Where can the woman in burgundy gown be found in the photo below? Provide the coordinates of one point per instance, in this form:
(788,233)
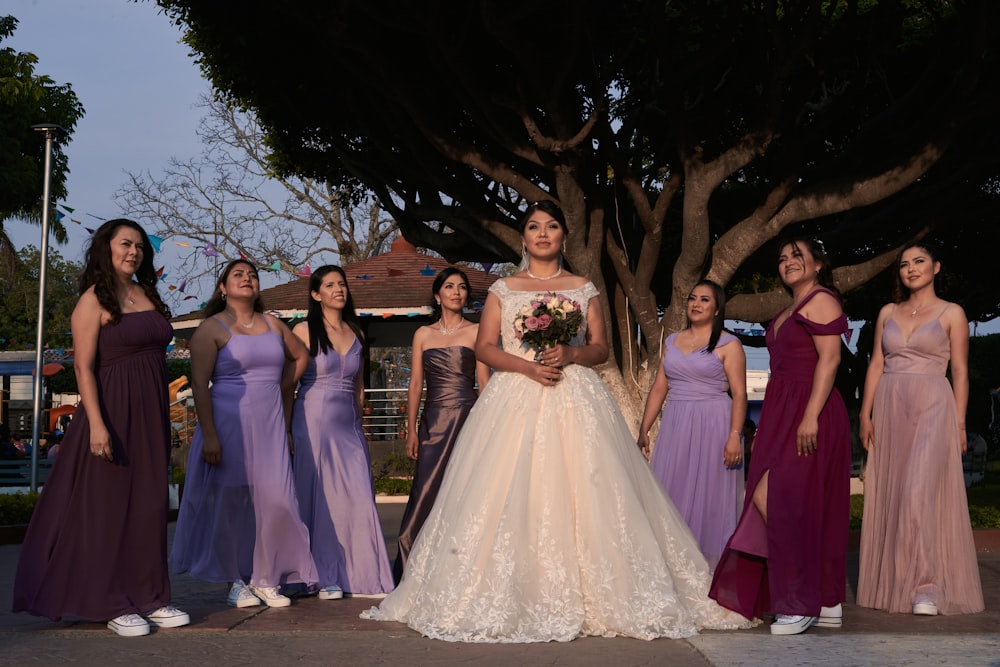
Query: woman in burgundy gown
(788,555)
(444,356)
(96,548)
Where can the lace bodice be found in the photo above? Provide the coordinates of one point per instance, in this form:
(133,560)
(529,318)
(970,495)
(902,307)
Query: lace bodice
(511,301)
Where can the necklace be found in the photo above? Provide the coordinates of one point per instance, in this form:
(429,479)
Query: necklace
(694,344)
(528,271)
(450,330)
(246,326)
(916,309)
(128,294)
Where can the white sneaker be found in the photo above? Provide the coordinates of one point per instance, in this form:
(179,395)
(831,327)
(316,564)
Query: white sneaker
(330,593)
(240,596)
(925,609)
(791,625)
(129,625)
(168,617)
(830,617)
(270,596)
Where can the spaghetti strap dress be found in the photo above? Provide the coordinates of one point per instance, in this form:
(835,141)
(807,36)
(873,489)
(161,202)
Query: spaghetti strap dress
(916,538)
(96,547)
(239,520)
(333,477)
(796,562)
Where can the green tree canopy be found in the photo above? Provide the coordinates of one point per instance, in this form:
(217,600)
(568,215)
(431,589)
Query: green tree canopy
(680,139)
(27,99)
(19,305)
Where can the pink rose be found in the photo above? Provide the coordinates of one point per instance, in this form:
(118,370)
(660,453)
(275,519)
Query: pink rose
(531,324)
(544,321)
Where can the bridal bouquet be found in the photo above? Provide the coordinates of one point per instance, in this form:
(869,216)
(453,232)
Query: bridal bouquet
(548,319)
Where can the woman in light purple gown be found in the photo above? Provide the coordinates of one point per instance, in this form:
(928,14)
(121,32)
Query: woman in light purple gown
(333,474)
(698,453)
(239,520)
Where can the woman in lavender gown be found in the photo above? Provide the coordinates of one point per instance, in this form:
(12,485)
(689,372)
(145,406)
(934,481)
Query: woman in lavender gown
(239,520)
(698,450)
(333,473)
(444,354)
(96,547)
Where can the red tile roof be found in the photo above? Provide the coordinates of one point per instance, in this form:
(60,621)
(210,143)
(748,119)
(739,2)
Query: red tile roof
(399,279)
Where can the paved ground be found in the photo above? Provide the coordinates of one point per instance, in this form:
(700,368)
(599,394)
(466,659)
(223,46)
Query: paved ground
(315,632)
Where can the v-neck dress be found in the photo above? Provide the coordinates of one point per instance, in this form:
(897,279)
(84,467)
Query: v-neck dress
(687,456)
(796,562)
(333,477)
(916,538)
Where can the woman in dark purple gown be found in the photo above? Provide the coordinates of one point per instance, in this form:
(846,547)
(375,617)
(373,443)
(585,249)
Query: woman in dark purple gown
(444,356)
(96,548)
(788,555)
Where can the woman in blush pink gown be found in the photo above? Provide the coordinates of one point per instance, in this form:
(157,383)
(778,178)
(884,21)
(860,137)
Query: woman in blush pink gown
(917,551)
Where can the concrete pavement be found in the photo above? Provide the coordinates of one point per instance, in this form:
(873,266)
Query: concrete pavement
(316,632)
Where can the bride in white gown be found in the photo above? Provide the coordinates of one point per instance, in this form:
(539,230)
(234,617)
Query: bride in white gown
(549,524)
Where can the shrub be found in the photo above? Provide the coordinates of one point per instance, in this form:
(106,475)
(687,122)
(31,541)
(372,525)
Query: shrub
(984,517)
(392,486)
(16,508)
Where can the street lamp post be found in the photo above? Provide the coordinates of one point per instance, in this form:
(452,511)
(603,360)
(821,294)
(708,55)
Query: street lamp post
(36,421)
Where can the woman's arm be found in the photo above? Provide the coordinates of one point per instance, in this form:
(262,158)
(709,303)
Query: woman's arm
(86,326)
(824,307)
(734,362)
(958,338)
(413,391)
(876,367)
(654,403)
(296,362)
(205,344)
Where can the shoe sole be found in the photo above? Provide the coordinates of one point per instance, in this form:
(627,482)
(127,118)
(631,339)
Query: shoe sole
(925,610)
(173,622)
(245,603)
(286,602)
(829,622)
(323,595)
(792,628)
(128,630)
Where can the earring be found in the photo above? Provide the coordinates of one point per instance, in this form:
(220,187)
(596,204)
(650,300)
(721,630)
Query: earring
(438,302)
(223,296)
(524,254)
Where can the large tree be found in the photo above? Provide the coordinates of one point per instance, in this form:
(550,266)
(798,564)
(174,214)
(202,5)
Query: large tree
(19,305)
(680,138)
(26,99)
(229,197)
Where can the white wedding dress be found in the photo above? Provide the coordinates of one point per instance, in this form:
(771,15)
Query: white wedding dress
(549,524)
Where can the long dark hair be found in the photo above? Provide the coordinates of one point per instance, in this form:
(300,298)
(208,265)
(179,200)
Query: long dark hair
(818,252)
(546,206)
(720,316)
(442,276)
(901,292)
(99,273)
(319,340)
(217,303)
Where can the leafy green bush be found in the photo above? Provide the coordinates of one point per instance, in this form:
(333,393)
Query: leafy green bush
(857,509)
(393,486)
(16,508)
(394,464)
(984,517)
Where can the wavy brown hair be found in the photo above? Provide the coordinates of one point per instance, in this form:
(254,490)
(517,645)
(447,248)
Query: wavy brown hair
(100,274)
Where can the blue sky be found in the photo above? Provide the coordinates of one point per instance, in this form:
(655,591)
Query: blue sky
(140,90)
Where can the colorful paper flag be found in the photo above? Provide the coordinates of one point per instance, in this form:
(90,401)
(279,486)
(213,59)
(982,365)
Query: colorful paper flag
(155,241)
(210,251)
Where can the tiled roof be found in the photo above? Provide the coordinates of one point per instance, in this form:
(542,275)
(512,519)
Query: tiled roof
(399,279)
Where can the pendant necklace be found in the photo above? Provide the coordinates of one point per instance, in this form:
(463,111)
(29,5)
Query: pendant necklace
(528,271)
(450,330)
(128,294)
